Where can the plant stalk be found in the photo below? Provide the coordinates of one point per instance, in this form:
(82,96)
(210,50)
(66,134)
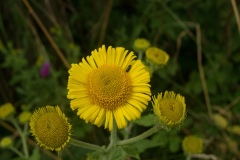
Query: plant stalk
(85,145)
(140,137)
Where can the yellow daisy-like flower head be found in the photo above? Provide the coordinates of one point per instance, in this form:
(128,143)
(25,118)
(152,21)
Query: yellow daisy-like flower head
(50,128)
(6,142)
(6,110)
(24,117)
(192,144)
(141,44)
(169,109)
(110,86)
(157,56)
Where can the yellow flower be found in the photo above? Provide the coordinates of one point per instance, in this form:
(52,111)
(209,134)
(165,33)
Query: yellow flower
(220,121)
(141,44)
(235,129)
(6,110)
(6,142)
(50,128)
(232,145)
(170,109)
(109,86)
(192,144)
(24,117)
(157,56)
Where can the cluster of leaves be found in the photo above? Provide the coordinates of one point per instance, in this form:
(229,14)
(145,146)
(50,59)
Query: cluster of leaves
(170,25)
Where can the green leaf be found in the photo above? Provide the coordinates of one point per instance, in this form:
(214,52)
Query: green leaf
(131,151)
(174,144)
(145,144)
(94,155)
(146,121)
(36,154)
(161,138)
(116,154)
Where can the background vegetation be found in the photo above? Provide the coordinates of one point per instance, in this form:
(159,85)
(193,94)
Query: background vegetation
(201,37)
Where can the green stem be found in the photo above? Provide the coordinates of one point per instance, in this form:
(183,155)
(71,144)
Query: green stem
(113,137)
(17,152)
(140,55)
(113,141)
(188,157)
(85,145)
(22,135)
(142,136)
(152,66)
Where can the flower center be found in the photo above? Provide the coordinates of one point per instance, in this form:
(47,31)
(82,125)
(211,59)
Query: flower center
(52,130)
(109,87)
(171,109)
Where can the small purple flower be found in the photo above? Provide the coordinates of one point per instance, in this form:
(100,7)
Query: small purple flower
(45,69)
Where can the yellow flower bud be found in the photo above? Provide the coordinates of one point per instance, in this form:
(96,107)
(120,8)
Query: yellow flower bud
(192,144)
(24,117)
(157,56)
(6,110)
(169,109)
(6,142)
(232,145)
(141,44)
(220,121)
(235,129)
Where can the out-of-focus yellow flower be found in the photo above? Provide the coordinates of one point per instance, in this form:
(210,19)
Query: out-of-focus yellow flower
(157,56)
(235,129)
(50,128)
(192,144)
(6,110)
(39,60)
(220,121)
(232,145)
(24,117)
(6,142)
(141,44)
(169,109)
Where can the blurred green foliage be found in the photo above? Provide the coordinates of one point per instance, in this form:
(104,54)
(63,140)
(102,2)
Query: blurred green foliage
(78,27)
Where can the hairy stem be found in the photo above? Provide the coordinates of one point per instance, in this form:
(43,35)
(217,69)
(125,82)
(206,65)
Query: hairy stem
(85,145)
(142,136)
